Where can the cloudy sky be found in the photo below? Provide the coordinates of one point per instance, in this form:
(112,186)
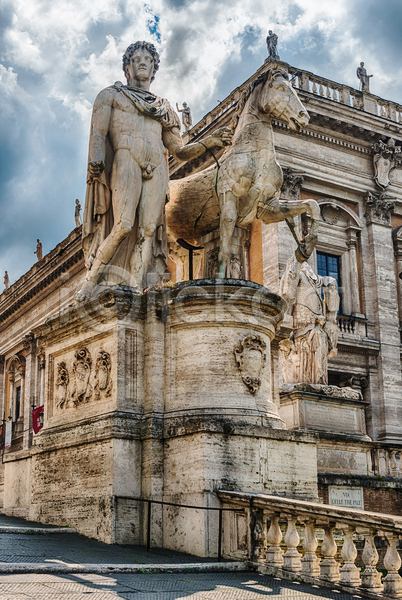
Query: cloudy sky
(55,56)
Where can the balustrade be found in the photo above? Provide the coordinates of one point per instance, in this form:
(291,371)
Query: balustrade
(332,562)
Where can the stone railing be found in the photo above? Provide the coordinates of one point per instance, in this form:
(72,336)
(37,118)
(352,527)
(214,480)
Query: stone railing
(343,94)
(334,565)
(319,86)
(352,325)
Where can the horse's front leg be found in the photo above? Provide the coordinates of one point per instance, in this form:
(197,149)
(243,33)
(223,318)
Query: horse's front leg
(227,224)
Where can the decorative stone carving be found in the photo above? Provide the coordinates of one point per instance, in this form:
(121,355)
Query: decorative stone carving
(386,156)
(315,334)
(330,213)
(82,391)
(29,343)
(6,281)
(62,381)
(251,358)
(292,182)
(40,353)
(345,393)
(103,382)
(124,242)
(378,209)
(236,270)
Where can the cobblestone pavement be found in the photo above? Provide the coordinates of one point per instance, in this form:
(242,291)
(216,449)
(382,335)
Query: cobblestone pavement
(184,586)
(62,550)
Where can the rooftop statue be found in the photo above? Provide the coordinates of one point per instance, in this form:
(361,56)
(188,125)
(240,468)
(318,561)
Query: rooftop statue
(315,302)
(247,183)
(6,281)
(186,116)
(272,42)
(123,234)
(364,78)
(77,212)
(39,250)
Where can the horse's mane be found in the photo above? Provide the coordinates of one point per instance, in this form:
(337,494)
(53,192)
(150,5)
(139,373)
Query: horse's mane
(262,78)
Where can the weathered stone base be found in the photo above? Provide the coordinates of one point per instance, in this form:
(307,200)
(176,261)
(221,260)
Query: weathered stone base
(164,396)
(323,408)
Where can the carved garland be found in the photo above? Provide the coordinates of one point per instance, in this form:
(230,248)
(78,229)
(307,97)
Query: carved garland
(251,357)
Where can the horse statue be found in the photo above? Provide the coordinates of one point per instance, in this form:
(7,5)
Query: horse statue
(244,185)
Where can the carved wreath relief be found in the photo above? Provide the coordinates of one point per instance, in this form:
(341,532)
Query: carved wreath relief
(251,357)
(83,380)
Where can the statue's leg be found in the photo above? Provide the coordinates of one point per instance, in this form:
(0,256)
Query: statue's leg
(228,221)
(150,213)
(126,184)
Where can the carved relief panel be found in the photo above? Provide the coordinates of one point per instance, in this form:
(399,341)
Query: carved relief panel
(80,377)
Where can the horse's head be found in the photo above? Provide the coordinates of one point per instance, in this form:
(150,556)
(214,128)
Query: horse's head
(279,99)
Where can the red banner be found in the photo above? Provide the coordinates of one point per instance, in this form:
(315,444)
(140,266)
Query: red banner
(37,419)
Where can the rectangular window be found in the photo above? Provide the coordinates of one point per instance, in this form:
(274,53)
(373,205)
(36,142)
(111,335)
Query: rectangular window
(328,265)
(17,402)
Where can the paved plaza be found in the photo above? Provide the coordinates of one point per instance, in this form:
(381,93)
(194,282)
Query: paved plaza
(190,586)
(61,566)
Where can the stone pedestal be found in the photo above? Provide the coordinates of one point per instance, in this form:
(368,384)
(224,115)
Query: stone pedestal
(239,262)
(164,396)
(323,408)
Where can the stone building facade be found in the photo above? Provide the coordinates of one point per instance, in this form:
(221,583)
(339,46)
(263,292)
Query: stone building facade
(79,469)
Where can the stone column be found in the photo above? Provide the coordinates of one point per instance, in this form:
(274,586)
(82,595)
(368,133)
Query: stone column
(387,410)
(353,273)
(29,344)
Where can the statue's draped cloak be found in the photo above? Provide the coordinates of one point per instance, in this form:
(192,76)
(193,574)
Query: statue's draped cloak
(98,211)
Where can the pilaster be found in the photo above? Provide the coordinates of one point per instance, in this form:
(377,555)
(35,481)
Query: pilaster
(386,406)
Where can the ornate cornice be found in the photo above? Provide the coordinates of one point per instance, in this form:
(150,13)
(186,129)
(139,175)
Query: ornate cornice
(378,209)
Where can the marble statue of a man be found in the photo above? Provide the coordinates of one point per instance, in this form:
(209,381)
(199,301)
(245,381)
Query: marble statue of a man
(132,133)
(186,116)
(272,42)
(364,78)
(315,303)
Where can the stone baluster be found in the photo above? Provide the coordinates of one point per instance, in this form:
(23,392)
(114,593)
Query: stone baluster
(371,578)
(349,573)
(274,554)
(310,561)
(328,92)
(329,568)
(291,558)
(314,89)
(392,562)
(259,535)
(321,90)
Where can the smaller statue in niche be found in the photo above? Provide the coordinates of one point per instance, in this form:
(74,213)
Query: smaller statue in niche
(364,78)
(186,116)
(272,42)
(77,212)
(39,250)
(315,303)
(6,281)
(62,382)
